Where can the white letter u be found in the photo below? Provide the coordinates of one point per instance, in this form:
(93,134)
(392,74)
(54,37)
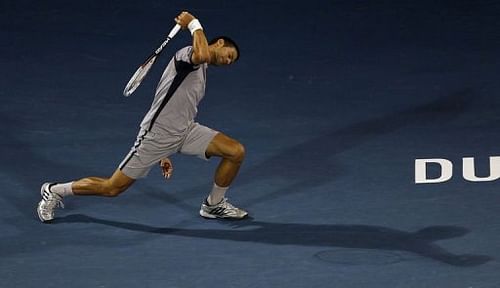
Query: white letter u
(469,171)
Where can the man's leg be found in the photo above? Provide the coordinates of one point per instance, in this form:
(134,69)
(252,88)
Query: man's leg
(52,194)
(109,187)
(232,153)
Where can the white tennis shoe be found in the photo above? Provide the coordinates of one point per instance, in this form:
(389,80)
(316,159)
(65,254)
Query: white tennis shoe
(50,201)
(223,209)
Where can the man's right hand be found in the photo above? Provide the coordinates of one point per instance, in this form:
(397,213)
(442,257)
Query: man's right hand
(183,19)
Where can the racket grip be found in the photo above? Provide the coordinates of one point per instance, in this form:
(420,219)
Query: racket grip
(174,31)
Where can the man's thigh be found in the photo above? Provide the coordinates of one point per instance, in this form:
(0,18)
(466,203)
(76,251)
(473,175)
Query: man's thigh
(198,140)
(148,150)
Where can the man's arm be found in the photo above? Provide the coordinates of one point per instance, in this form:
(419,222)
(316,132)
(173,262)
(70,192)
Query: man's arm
(200,44)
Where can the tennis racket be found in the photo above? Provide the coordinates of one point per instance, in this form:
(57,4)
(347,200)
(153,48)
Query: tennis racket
(143,70)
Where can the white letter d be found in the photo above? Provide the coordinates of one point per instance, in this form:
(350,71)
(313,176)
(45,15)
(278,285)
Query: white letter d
(421,170)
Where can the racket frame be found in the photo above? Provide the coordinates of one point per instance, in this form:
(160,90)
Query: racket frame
(143,70)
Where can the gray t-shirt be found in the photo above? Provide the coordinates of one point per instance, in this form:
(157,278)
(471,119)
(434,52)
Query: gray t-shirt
(180,90)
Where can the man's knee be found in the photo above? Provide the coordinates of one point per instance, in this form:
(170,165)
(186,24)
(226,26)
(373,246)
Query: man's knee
(227,148)
(116,185)
(237,152)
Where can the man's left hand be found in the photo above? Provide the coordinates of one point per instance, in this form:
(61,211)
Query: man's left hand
(166,168)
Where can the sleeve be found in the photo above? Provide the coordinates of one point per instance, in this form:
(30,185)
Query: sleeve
(183,59)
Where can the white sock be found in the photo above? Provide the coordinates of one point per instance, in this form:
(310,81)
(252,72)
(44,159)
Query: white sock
(216,195)
(63,189)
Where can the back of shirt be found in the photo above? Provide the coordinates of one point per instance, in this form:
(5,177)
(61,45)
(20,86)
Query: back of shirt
(180,90)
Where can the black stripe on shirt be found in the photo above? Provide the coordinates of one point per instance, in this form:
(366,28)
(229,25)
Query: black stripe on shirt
(183,69)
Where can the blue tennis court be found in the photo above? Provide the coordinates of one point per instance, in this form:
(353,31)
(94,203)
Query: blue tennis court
(334,102)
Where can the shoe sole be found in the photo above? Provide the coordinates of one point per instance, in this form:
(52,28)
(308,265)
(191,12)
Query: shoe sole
(42,189)
(38,212)
(210,216)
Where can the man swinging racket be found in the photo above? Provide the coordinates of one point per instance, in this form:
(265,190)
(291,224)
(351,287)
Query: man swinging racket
(168,128)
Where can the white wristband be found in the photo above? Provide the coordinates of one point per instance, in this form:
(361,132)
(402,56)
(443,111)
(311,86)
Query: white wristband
(194,25)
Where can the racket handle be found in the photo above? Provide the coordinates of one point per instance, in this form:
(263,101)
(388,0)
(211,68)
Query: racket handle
(171,35)
(174,31)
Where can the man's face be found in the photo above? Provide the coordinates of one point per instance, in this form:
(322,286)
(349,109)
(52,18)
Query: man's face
(225,55)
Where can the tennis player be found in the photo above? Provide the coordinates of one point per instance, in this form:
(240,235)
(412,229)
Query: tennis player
(168,128)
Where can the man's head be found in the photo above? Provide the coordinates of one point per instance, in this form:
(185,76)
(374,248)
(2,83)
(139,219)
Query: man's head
(223,50)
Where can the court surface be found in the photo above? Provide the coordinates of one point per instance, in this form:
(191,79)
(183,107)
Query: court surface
(333,100)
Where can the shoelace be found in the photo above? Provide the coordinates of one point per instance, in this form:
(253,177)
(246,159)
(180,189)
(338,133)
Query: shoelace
(53,201)
(227,205)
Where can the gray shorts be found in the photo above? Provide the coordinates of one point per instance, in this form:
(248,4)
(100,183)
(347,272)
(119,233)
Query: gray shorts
(151,147)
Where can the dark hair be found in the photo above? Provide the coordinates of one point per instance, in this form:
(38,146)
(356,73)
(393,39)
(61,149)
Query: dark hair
(228,42)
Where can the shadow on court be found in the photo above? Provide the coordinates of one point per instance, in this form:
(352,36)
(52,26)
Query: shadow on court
(344,236)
